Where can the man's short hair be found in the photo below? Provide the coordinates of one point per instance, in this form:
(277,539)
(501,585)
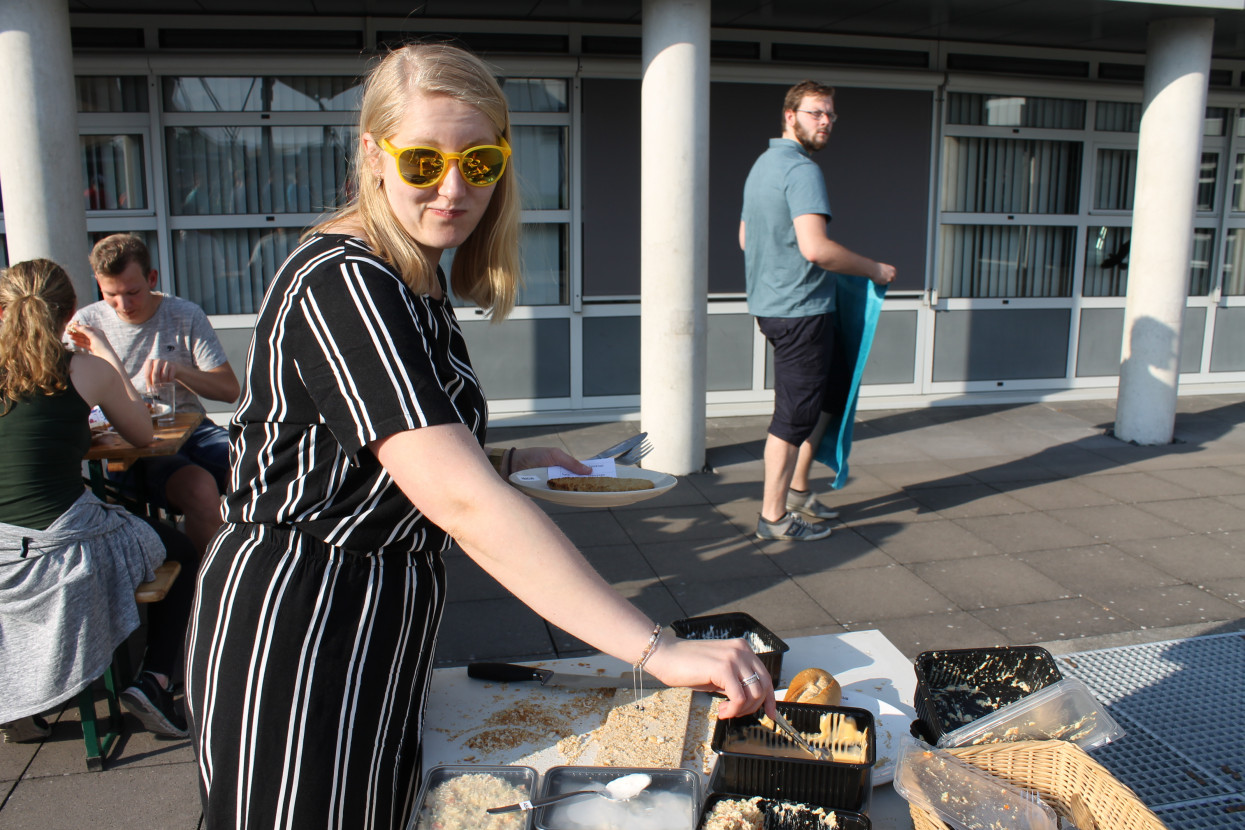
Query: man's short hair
(113,254)
(796,94)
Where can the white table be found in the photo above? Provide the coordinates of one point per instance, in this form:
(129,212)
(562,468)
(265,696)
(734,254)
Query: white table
(873,673)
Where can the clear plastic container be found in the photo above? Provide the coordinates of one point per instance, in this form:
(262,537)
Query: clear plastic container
(1065,710)
(473,788)
(962,795)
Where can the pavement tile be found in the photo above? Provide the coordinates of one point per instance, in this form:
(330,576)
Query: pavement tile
(1059,619)
(967,500)
(1022,532)
(1197,560)
(1116,522)
(465,580)
(777,603)
(1204,515)
(685,524)
(1073,460)
(1021,469)
(165,796)
(618,562)
(888,508)
(846,548)
(14,759)
(1053,495)
(716,559)
(989,582)
(873,594)
(911,474)
(592,527)
(1230,590)
(649,595)
(1093,570)
(491,629)
(1172,605)
(1204,481)
(1133,488)
(956,629)
(926,541)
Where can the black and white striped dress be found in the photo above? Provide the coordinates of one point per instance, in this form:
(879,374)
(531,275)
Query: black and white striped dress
(310,649)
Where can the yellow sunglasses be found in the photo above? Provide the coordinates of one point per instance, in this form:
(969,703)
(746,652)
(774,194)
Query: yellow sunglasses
(426,166)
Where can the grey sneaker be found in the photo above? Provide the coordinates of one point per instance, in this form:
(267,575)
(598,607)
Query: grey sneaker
(25,730)
(807,504)
(790,529)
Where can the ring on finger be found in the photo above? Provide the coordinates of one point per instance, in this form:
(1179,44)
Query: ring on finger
(748,681)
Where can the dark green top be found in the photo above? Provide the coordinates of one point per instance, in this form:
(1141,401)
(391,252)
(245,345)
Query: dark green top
(42,441)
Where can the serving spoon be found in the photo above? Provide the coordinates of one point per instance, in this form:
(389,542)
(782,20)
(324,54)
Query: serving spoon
(623,788)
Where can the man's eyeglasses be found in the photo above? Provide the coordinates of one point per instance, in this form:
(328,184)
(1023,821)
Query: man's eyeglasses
(820,114)
(426,166)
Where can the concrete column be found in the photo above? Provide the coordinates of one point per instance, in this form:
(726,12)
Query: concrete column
(1169,153)
(40,157)
(674,232)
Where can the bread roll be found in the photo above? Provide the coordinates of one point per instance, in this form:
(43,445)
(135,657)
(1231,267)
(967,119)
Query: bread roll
(814,686)
(599,484)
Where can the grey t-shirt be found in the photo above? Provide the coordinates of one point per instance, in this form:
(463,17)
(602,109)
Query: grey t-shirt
(178,332)
(784,183)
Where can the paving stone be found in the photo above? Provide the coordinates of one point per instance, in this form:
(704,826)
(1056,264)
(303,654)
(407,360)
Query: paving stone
(989,582)
(618,562)
(1053,495)
(845,549)
(1116,522)
(491,629)
(1098,568)
(919,474)
(926,541)
(888,508)
(1230,590)
(592,527)
(873,594)
(649,595)
(777,603)
(1204,515)
(967,500)
(1173,605)
(956,629)
(1205,481)
(713,559)
(1025,532)
(1197,559)
(465,580)
(1131,487)
(1060,619)
(671,523)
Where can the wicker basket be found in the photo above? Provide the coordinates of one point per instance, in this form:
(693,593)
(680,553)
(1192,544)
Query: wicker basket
(1068,780)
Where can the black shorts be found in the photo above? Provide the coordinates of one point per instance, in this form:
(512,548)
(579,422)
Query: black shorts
(803,352)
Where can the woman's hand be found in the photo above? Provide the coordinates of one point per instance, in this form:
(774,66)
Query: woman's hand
(90,340)
(718,666)
(526,458)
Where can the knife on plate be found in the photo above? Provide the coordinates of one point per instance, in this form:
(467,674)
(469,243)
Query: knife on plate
(621,447)
(515,673)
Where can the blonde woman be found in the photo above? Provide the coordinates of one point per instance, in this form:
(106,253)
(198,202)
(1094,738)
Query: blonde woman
(69,563)
(358,459)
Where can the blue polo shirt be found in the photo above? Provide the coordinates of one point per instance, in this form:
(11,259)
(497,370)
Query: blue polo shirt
(784,183)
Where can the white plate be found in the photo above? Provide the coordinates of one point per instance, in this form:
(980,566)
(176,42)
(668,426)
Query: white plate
(158,409)
(535,483)
(890,724)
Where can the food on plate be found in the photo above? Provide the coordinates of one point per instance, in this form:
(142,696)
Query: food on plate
(599,484)
(461,803)
(814,686)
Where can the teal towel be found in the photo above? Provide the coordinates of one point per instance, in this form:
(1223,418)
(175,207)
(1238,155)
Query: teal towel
(858,304)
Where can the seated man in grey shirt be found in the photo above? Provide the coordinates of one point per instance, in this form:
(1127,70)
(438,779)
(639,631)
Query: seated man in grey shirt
(161,338)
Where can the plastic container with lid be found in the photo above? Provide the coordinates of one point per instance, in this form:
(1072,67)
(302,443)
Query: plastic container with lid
(955,687)
(963,796)
(1065,710)
(669,802)
(469,790)
(736,624)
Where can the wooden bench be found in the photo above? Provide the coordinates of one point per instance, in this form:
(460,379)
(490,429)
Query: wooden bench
(118,671)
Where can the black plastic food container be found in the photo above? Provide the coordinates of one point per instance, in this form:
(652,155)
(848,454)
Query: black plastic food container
(735,624)
(780,814)
(833,784)
(957,686)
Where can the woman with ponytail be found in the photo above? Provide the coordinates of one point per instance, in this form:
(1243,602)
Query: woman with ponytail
(68,562)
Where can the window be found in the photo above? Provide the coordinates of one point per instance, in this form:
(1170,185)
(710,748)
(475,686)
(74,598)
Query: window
(113,172)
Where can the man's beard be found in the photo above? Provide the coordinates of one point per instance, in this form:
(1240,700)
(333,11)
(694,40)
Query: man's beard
(810,142)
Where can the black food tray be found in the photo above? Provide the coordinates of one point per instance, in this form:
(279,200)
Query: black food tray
(737,624)
(955,687)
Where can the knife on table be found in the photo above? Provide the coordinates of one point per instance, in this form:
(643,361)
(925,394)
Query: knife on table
(515,673)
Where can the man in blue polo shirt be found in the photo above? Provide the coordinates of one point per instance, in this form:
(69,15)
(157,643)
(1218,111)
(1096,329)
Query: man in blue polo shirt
(788,260)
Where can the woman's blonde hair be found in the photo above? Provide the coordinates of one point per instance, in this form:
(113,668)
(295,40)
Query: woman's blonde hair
(486,265)
(36,301)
